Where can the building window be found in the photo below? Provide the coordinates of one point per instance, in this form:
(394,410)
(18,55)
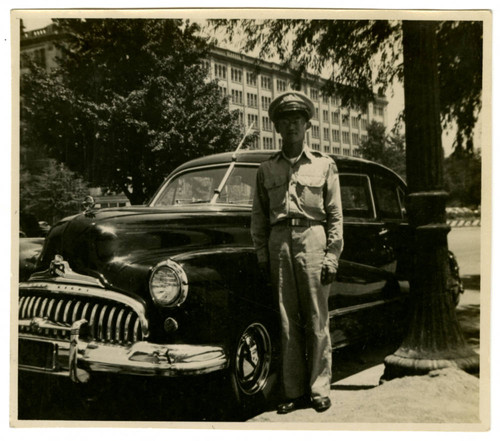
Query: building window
(336,101)
(315,146)
(281,85)
(251,79)
(325,115)
(336,150)
(345,120)
(315,131)
(324,99)
(335,118)
(345,137)
(241,117)
(265,100)
(314,94)
(265,82)
(206,65)
(251,118)
(255,145)
(222,91)
(237,96)
(280,143)
(364,123)
(326,133)
(335,135)
(268,143)
(364,138)
(38,57)
(266,124)
(326,148)
(346,152)
(378,110)
(316,112)
(356,152)
(355,139)
(354,122)
(251,99)
(220,71)
(236,75)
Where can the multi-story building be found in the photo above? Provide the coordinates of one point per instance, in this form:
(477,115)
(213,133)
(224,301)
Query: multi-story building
(251,85)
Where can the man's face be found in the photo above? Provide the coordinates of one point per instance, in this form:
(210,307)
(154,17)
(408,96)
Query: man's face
(292,127)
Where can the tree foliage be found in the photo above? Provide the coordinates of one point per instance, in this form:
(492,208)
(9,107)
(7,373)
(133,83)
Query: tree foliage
(462,179)
(54,193)
(129,102)
(362,57)
(384,149)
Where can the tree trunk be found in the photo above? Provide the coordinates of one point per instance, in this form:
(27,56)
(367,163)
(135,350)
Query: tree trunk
(434,339)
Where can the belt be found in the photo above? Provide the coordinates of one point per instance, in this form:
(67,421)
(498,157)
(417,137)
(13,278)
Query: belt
(297,222)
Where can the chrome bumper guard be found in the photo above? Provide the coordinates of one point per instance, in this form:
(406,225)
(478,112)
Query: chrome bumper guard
(82,357)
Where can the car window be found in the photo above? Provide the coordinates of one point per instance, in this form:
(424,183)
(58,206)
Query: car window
(198,186)
(357,200)
(388,201)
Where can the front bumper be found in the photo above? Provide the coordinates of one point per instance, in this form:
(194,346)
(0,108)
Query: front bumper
(80,358)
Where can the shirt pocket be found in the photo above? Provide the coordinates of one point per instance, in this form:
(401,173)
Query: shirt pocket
(276,187)
(310,191)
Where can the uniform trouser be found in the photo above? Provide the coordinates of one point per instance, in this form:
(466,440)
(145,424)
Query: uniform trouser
(296,257)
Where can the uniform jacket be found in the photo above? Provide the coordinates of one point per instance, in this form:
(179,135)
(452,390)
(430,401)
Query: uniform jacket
(307,189)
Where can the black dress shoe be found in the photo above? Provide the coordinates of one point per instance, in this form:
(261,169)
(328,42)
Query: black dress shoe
(320,404)
(291,405)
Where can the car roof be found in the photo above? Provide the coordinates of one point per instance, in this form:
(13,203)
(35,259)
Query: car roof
(345,164)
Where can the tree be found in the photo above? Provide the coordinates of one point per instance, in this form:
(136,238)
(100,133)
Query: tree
(130,101)
(54,193)
(462,179)
(384,149)
(364,56)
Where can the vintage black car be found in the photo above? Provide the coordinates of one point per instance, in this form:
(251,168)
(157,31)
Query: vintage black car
(172,289)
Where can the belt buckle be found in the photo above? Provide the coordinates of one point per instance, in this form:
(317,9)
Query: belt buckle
(297,222)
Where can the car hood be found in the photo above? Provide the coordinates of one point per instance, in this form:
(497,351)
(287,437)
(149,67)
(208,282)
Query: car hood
(120,246)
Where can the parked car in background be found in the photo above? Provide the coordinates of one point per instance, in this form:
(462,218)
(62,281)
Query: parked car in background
(172,289)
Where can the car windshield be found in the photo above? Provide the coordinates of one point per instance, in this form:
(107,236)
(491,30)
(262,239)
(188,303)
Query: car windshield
(198,186)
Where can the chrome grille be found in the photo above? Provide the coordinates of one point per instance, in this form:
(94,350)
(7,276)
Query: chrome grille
(109,321)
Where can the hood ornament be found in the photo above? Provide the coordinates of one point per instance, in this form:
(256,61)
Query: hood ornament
(88,204)
(59,267)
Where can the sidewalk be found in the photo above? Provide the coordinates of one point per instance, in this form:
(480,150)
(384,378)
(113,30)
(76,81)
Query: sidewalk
(444,396)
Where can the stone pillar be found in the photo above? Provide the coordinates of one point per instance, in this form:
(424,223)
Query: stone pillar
(434,338)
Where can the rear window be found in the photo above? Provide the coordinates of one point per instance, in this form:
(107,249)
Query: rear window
(388,199)
(357,200)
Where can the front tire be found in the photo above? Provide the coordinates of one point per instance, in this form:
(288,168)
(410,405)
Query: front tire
(251,378)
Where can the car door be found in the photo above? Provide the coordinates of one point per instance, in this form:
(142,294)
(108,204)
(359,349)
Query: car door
(362,297)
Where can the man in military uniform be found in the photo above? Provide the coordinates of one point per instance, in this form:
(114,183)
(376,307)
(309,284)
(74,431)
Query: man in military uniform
(297,233)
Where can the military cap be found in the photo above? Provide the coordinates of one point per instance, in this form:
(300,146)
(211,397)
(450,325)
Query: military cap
(292,101)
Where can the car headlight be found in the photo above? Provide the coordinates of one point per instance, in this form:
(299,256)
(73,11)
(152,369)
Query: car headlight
(168,284)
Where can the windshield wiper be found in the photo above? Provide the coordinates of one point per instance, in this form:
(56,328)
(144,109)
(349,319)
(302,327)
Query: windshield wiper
(218,190)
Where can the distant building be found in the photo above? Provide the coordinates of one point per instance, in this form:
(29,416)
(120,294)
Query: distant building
(251,85)
(335,129)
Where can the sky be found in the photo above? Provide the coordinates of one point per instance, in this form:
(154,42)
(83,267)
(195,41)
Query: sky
(395,94)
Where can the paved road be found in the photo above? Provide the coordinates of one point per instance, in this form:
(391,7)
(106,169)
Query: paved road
(465,243)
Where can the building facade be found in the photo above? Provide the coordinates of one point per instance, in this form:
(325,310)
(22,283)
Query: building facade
(251,85)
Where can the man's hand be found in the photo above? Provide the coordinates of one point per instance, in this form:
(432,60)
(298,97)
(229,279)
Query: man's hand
(328,272)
